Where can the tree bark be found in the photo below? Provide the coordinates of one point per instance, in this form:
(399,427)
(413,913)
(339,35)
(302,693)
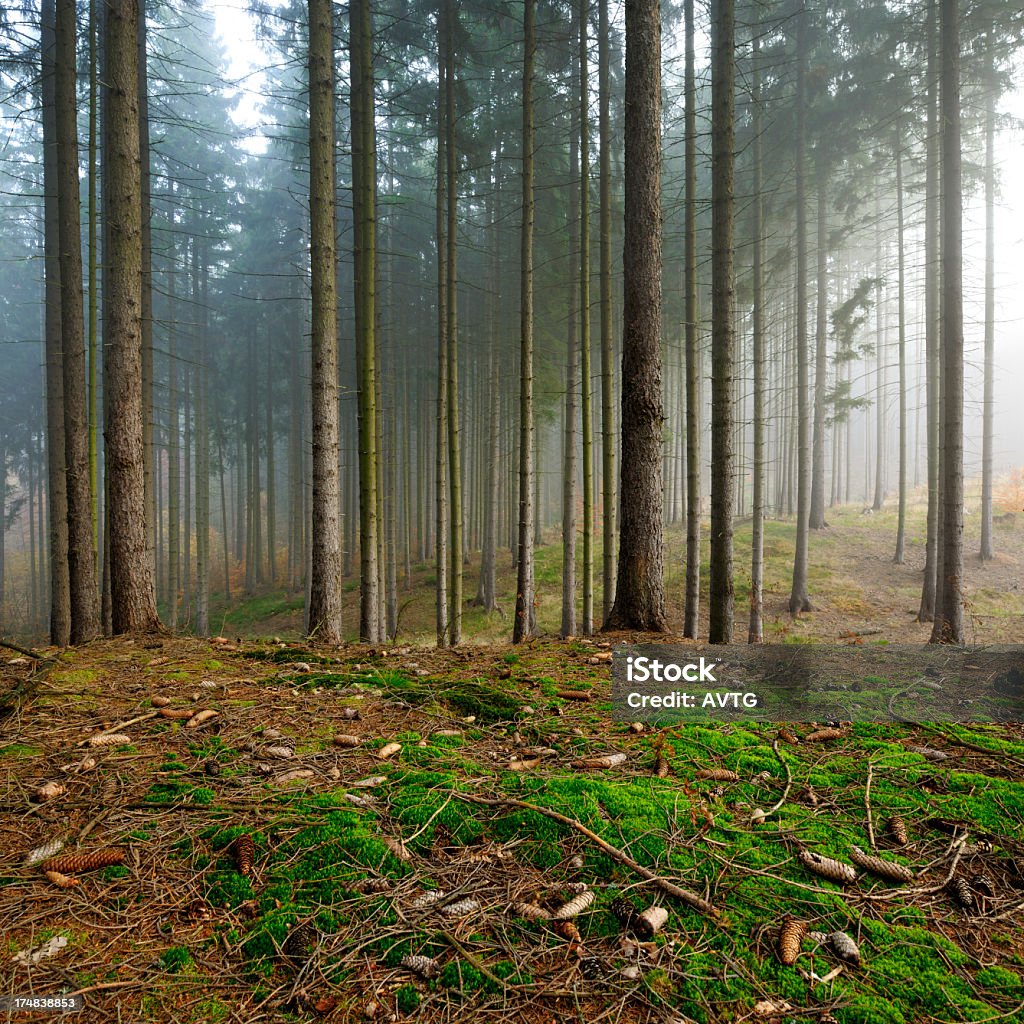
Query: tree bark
(133,602)
(755,629)
(525,614)
(325,590)
(901,514)
(586,388)
(364,190)
(987,551)
(85,607)
(608,475)
(798,598)
(57,503)
(691,609)
(949,618)
(640,589)
(816,516)
(723,333)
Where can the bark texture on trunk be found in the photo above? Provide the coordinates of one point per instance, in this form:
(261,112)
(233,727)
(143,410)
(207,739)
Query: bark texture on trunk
(640,590)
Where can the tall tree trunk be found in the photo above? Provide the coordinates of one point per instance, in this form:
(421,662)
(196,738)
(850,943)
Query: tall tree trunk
(586,384)
(85,606)
(987,550)
(901,515)
(926,612)
(525,615)
(569,434)
(173,443)
(441,508)
(145,178)
(755,629)
(325,567)
(798,598)
(202,452)
(364,191)
(57,503)
(133,602)
(640,588)
(92,326)
(451,260)
(949,612)
(816,517)
(608,475)
(723,333)
(691,610)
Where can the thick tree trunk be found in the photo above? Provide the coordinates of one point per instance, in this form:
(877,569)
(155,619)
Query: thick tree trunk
(525,614)
(133,602)
(640,588)
(926,612)
(325,568)
(57,503)
(949,612)
(364,190)
(723,333)
(85,605)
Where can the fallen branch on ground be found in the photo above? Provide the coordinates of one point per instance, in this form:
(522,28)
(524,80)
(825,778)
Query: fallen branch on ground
(688,897)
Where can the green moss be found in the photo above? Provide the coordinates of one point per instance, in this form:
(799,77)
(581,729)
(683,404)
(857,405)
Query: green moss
(175,958)
(408,999)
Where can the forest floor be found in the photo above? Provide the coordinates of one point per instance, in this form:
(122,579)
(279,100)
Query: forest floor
(855,586)
(461,846)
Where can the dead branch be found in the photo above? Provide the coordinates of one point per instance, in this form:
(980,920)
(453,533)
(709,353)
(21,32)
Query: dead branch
(688,897)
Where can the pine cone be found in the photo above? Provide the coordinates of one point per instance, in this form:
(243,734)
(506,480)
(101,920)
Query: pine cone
(373,886)
(591,968)
(834,870)
(567,930)
(424,966)
(983,883)
(718,775)
(75,863)
(49,849)
(661,766)
(824,734)
(787,736)
(897,829)
(883,868)
(62,880)
(790,935)
(844,947)
(649,922)
(243,851)
(961,892)
(624,911)
(530,911)
(574,907)
(301,941)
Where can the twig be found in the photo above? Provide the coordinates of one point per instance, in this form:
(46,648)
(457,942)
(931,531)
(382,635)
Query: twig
(867,806)
(777,806)
(28,652)
(118,727)
(691,898)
